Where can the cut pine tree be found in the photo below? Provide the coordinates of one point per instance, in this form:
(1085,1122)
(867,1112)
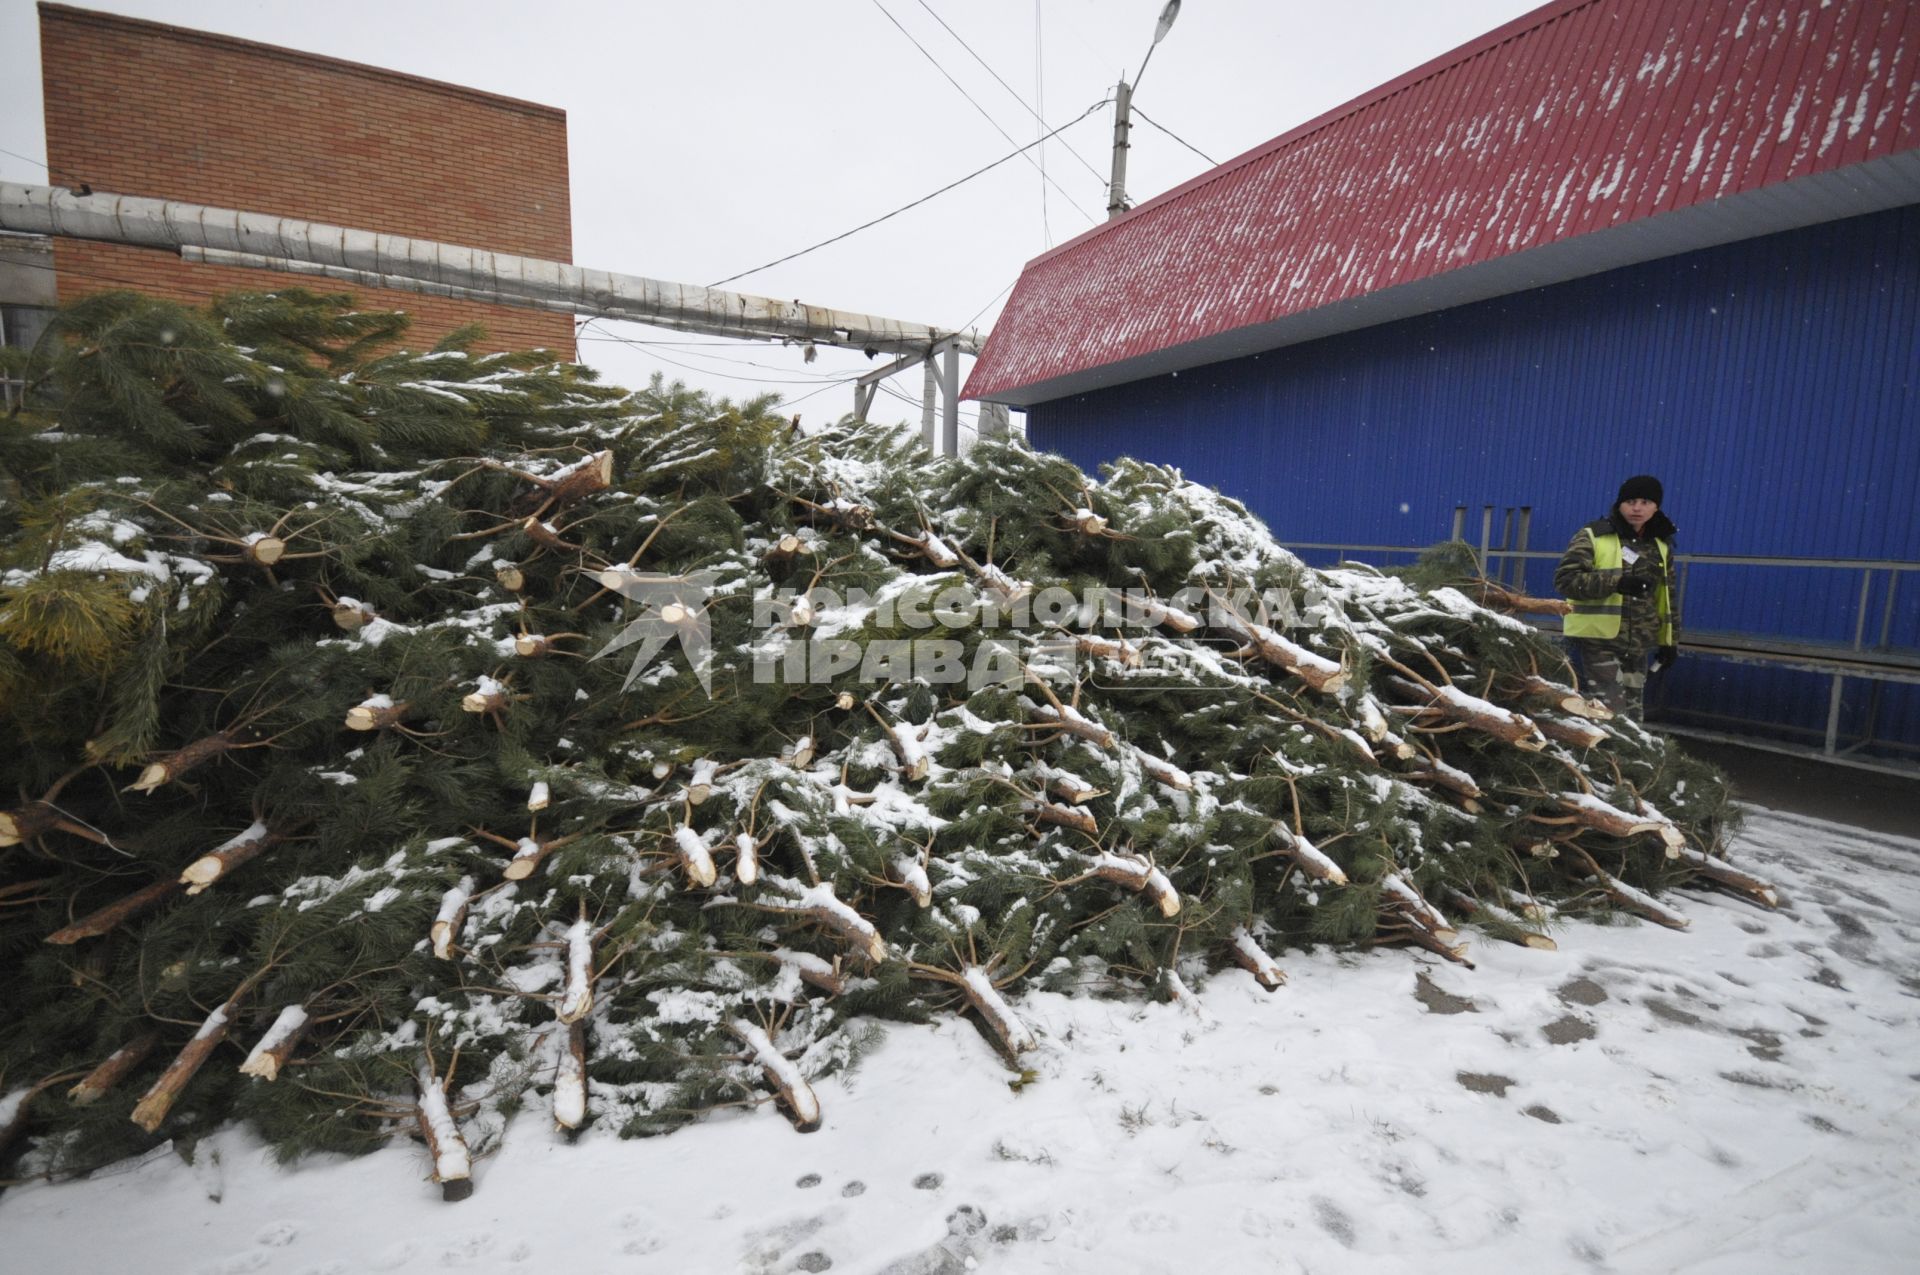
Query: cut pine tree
(115,1068)
(273,1050)
(446,1148)
(227,856)
(154,1105)
(789,1086)
(1251,957)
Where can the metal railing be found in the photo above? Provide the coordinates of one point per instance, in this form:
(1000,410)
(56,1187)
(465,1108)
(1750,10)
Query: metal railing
(1877,662)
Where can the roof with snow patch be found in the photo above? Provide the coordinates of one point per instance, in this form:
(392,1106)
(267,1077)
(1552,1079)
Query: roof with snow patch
(1586,135)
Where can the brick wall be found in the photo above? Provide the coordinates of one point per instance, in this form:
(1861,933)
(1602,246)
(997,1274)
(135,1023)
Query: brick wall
(141,108)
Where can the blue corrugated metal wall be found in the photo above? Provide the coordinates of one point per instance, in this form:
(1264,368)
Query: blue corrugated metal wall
(1770,384)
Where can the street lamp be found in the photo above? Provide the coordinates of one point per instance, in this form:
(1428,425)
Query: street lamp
(1123,114)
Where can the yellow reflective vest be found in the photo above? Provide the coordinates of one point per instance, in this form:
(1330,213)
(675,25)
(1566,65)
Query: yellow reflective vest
(1602,619)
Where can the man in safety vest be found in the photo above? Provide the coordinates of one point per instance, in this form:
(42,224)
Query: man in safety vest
(1618,574)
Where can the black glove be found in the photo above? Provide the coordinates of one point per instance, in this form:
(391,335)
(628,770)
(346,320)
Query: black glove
(1664,657)
(1633,585)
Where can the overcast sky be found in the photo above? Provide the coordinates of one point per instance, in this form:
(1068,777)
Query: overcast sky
(710,136)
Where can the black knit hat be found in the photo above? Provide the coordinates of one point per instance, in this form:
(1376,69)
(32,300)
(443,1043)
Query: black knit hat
(1639,487)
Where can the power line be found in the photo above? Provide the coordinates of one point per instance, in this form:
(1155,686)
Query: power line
(1097,174)
(792,402)
(1176,137)
(976,105)
(916,203)
(829,378)
(41,163)
(988,306)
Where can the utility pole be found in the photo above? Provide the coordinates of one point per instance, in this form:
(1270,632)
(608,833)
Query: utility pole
(1123,114)
(1122,125)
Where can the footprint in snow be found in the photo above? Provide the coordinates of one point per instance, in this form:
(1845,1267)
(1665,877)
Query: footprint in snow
(807,1180)
(277,1234)
(965,1221)
(468,1251)
(853,1188)
(394,1256)
(1333,1219)
(928,1182)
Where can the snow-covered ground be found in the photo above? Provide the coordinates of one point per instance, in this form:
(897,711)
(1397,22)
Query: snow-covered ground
(1739,1098)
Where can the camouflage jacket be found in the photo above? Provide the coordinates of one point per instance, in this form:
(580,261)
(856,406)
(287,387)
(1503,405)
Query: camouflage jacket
(1640,618)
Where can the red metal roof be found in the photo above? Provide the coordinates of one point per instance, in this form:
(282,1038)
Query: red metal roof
(1585,135)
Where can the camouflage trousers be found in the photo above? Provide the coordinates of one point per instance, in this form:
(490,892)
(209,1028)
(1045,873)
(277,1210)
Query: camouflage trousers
(1614,674)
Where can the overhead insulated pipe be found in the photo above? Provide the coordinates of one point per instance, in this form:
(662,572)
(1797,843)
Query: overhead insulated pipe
(233,237)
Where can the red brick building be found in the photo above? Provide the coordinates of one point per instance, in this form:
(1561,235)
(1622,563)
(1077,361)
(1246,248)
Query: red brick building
(142,108)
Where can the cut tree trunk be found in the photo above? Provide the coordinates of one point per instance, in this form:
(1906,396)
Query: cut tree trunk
(570,1081)
(264,551)
(819,903)
(27,822)
(795,1094)
(1564,698)
(1632,899)
(165,769)
(1591,812)
(95,924)
(1064,817)
(576,1002)
(452,1164)
(352,615)
(816,971)
(910,875)
(273,1050)
(1138,874)
(914,762)
(1452,704)
(377,713)
(452,914)
(783,551)
(1070,721)
(529,854)
(1507,926)
(1125,653)
(1156,614)
(1071,789)
(1012,1034)
(1577,731)
(695,859)
(1311,859)
(1163,771)
(1251,957)
(1322,674)
(1399,894)
(1728,877)
(224,858)
(1452,778)
(580,479)
(111,1072)
(159,1099)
